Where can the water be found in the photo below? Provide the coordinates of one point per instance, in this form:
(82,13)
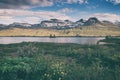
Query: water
(77,40)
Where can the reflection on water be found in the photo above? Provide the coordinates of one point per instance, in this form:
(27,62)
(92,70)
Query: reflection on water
(78,40)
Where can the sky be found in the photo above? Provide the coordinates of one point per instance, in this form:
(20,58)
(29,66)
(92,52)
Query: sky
(35,11)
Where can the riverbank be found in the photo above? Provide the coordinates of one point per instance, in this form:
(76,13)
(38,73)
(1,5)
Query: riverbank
(110,40)
(61,36)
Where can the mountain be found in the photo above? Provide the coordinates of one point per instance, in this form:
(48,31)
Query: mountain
(19,25)
(62,24)
(79,23)
(91,21)
(2,26)
(117,23)
(90,27)
(35,26)
(69,23)
(108,23)
(55,23)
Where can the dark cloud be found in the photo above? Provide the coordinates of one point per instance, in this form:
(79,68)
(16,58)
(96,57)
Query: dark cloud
(21,3)
(8,4)
(14,2)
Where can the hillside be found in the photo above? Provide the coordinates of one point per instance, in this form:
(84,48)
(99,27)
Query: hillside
(90,27)
(94,30)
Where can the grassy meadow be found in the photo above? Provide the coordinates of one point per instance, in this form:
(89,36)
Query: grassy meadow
(50,61)
(97,30)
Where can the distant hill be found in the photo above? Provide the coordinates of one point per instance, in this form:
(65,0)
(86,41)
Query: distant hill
(2,26)
(59,24)
(117,23)
(98,30)
(108,23)
(55,23)
(90,27)
(79,23)
(91,21)
(20,25)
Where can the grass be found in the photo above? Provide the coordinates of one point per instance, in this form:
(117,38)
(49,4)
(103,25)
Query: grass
(51,61)
(84,31)
(111,40)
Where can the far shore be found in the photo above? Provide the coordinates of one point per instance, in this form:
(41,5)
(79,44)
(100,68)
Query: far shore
(57,36)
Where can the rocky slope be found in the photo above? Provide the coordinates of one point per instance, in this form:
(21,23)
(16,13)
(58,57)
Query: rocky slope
(55,23)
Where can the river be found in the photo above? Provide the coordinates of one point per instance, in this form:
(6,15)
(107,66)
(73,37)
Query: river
(77,40)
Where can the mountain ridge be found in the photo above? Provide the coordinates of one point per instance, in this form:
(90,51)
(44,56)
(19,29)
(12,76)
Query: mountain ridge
(60,24)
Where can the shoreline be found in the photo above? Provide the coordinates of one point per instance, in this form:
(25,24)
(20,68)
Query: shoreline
(58,36)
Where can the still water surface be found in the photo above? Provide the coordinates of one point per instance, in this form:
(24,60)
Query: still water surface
(77,40)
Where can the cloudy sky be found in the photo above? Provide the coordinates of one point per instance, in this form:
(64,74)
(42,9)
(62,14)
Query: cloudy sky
(34,11)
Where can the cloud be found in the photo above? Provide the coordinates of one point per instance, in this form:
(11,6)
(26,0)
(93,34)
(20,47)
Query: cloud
(8,16)
(92,7)
(10,20)
(65,10)
(7,4)
(31,20)
(23,4)
(107,16)
(77,1)
(114,1)
(6,19)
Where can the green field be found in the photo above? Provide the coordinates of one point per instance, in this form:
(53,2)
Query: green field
(50,61)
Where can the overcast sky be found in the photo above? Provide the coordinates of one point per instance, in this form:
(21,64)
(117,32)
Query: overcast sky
(34,11)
